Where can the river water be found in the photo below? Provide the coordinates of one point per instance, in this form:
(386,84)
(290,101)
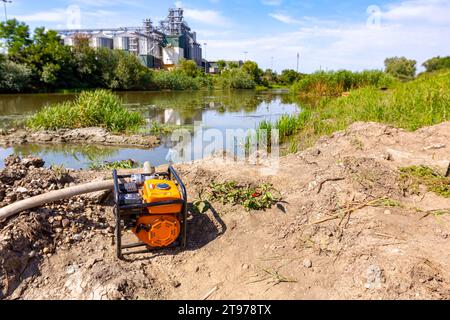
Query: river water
(211,110)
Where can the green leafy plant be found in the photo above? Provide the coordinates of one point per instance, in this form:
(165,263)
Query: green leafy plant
(250,197)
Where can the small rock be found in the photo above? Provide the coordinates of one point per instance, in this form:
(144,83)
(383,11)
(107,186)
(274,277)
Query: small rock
(65,223)
(71,269)
(307,263)
(46,250)
(77,237)
(56,224)
(387,212)
(33,162)
(245,266)
(32,254)
(22,190)
(176,284)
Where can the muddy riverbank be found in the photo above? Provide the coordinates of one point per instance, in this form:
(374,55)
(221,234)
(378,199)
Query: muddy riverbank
(82,136)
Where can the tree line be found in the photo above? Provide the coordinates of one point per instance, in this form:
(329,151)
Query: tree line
(40,62)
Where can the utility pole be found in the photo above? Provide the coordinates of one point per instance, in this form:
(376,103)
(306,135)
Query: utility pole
(206,60)
(298,60)
(4,5)
(245,55)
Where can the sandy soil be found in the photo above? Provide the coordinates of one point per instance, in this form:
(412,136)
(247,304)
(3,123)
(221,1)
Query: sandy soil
(373,252)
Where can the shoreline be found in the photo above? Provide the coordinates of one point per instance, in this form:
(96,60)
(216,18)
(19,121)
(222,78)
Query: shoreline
(90,136)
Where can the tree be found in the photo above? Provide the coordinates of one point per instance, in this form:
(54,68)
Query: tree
(437,63)
(236,79)
(87,67)
(270,76)
(221,64)
(52,62)
(14,77)
(402,68)
(253,70)
(188,67)
(129,72)
(288,77)
(16,36)
(232,65)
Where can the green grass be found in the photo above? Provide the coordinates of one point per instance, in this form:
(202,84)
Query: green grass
(411,105)
(99,108)
(334,83)
(412,177)
(115,165)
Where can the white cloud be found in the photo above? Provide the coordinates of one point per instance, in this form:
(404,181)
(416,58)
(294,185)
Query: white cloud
(416,29)
(57,15)
(210,17)
(419,11)
(284,18)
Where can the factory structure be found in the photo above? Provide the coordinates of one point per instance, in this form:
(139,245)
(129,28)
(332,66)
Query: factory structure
(158,47)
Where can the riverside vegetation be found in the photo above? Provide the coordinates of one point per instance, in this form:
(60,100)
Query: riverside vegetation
(41,63)
(409,105)
(98,108)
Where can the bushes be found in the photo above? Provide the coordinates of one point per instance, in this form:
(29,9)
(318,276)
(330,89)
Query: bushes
(98,108)
(437,63)
(288,77)
(401,68)
(236,79)
(14,77)
(334,83)
(174,80)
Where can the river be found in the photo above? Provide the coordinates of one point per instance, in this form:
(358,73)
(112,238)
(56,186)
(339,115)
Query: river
(210,109)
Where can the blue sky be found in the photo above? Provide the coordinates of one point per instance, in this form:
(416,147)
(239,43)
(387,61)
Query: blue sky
(328,34)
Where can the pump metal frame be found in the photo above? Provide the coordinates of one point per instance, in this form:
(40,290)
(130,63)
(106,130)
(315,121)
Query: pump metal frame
(127,215)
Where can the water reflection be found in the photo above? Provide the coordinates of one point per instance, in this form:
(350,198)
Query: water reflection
(218,110)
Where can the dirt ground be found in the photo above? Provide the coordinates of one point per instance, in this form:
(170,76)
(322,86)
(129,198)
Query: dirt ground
(345,230)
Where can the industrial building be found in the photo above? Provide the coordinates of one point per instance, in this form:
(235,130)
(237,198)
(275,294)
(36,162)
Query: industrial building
(160,46)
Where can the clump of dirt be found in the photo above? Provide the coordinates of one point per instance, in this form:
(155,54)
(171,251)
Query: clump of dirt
(346,228)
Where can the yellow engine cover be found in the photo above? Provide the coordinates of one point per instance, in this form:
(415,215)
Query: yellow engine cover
(158,231)
(161,190)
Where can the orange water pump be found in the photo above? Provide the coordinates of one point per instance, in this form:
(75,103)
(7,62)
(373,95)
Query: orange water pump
(153,206)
